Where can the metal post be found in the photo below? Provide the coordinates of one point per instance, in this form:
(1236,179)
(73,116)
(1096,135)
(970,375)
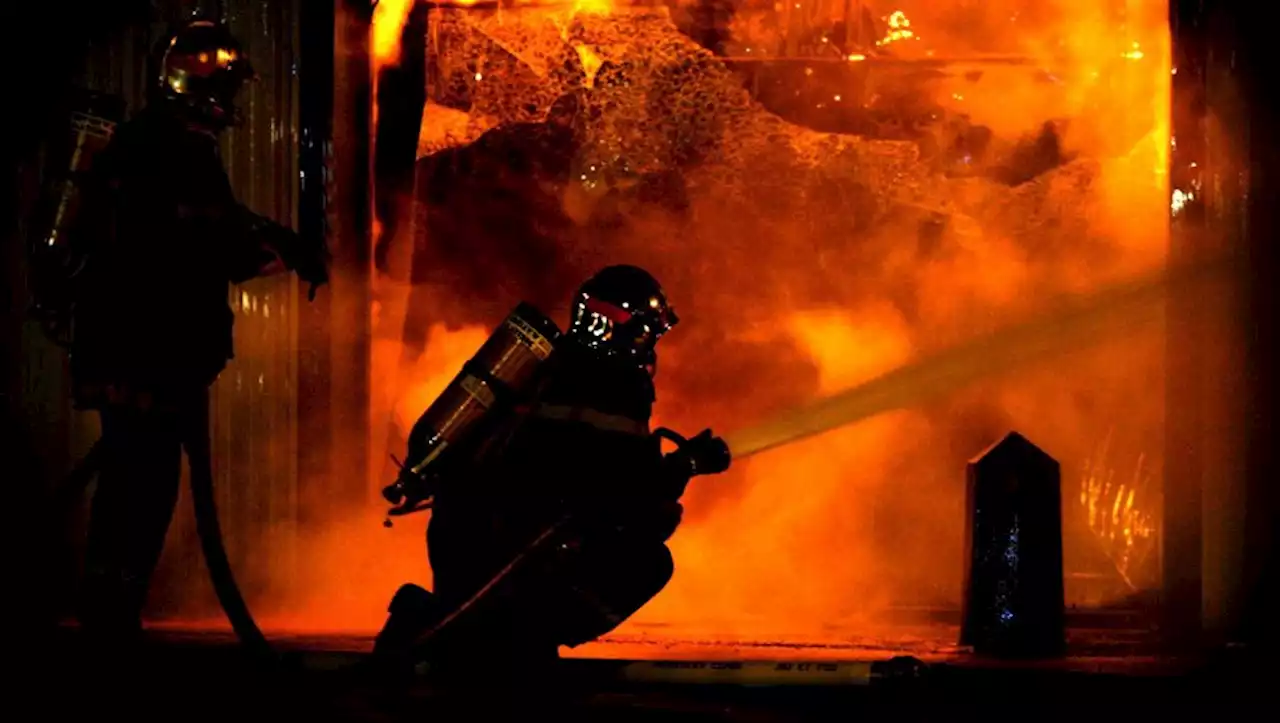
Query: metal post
(351,225)
(1220,458)
(402,97)
(1252,65)
(1181,526)
(315,168)
(1013,585)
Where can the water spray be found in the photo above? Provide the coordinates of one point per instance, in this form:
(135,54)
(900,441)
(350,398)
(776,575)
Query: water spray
(1071,326)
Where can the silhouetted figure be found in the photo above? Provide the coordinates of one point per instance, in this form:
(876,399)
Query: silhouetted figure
(162,237)
(575,488)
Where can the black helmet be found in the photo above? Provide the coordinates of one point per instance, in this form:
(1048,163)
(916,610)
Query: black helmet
(622,311)
(201,69)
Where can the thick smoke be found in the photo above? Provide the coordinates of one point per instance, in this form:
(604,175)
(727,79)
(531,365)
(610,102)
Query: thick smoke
(801,262)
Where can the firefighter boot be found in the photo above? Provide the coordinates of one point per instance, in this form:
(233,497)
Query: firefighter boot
(412,611)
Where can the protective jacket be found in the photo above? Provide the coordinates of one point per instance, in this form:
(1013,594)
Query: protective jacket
(584,452)
(163,236)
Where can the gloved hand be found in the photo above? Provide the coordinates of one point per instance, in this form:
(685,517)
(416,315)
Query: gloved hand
(313,269)
(703,454)
(308,258)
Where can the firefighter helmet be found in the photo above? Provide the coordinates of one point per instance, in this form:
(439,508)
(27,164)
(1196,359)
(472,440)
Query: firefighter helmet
(202,68)
(623,311)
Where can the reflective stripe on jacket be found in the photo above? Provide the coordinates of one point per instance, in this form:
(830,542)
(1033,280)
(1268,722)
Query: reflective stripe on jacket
(597,419)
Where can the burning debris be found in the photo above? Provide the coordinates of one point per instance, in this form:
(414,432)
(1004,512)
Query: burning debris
(660,119)
(1119,513)
(646,99)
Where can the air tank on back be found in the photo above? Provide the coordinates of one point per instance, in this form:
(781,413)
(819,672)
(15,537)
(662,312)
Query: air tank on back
(503,373)
(53,259)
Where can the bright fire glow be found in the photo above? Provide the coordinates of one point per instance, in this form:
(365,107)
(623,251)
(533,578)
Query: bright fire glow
(899,28)
(593,7)
(389,17)
(827,276)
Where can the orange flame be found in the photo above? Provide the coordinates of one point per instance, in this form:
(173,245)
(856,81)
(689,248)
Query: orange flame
(899,29)
(389,17)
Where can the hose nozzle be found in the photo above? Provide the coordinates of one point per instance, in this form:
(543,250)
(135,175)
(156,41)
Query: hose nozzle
(394,492)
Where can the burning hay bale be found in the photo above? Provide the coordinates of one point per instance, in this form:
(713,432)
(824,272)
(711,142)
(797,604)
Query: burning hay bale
(501,69)
(769,160)
(648,101)
(642,120)
(444,127)
(1054,201)
(649,96)
(566,135)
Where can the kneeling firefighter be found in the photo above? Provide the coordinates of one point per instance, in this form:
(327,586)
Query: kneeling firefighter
(552,500)
(134,261)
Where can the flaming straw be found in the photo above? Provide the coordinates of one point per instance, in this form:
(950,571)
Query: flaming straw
(1116,513)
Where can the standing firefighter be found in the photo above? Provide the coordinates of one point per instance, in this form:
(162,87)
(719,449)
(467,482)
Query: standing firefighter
(553,504)
(159,236)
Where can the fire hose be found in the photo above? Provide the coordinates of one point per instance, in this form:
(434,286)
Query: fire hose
(196,442)
(215,554)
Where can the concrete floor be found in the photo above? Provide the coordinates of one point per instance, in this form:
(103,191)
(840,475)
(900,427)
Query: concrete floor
(188,676)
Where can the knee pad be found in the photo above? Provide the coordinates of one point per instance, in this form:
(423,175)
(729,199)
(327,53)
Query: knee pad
(412,600)
(599,603)
(412,611)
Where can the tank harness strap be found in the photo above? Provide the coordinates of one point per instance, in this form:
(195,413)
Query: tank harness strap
(599,420)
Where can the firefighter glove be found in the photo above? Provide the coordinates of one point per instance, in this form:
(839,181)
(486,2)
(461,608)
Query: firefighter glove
(703,454)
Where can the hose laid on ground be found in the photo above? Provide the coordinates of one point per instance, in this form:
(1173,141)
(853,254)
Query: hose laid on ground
(208,529)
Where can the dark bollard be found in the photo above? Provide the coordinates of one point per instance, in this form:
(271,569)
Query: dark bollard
(1013,591)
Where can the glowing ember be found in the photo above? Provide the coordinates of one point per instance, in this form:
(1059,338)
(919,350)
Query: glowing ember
(1180,200)
(899,29)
